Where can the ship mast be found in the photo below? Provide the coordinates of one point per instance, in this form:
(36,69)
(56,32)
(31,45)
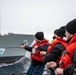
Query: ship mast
(37,29)
(0,21)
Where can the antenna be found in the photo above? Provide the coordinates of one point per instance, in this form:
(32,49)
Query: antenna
(0,20)
(37,29)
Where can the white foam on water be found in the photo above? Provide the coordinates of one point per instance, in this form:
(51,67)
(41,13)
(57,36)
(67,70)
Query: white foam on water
(8,64)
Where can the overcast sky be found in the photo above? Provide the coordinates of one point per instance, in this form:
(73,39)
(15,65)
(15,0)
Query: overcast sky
(30,16)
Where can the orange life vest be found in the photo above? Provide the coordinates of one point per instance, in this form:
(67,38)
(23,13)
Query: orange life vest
(66,58)
(37,55)
(57,40)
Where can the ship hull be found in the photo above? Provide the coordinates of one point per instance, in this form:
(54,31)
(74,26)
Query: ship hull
(10,59)
(12,43)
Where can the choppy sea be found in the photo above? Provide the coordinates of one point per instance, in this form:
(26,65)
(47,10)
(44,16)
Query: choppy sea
(17,68)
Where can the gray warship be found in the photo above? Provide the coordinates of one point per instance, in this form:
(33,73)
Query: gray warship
(11,43)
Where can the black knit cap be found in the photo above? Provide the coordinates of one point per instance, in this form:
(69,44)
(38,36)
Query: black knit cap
(61,31)
(55,31)
(71,27)
(39,35)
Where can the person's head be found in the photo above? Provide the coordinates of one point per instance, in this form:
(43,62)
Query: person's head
(70,29)
(55,35)
(39,36)
(60,32)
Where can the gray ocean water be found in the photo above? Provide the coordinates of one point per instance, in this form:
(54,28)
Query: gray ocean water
(17,68)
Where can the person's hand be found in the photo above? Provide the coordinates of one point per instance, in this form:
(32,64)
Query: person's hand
(35,47)
(51,64)
(48,64)
(42,53)
(22,46)
(59,71)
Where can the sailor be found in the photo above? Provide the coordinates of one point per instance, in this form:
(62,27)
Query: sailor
(55,49)
(67,65)
(53,39)
(41,44)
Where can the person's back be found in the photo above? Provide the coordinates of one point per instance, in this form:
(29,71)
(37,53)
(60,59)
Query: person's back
(56,47)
